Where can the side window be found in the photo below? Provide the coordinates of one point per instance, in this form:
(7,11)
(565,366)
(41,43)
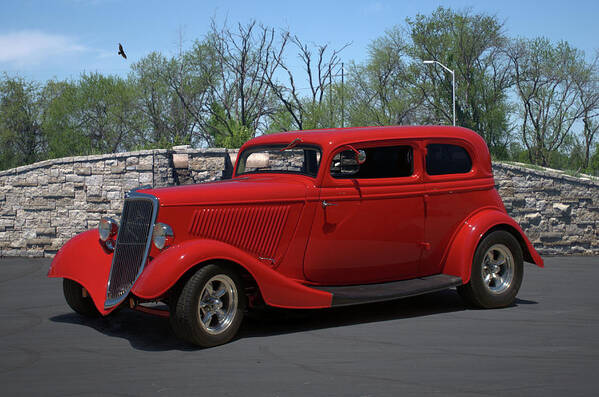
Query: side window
(380,162)
(443,159)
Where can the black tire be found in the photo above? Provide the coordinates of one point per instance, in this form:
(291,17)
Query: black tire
(190,308)
(73,293)
(494,285)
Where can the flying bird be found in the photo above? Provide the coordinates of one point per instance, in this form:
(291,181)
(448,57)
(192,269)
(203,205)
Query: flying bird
(121,51)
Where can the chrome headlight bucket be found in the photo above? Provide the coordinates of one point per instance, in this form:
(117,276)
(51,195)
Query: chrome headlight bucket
(107,229)
(162,235)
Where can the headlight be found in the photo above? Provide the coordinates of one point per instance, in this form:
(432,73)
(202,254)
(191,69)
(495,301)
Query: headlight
(162,235)
(107,228)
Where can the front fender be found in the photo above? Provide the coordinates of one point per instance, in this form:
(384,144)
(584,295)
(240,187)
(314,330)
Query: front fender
(277,290)
(461,254)
(84,260)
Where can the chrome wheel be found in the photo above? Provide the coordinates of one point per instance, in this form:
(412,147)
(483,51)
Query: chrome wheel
(496,273)
(217,304)
(498,268)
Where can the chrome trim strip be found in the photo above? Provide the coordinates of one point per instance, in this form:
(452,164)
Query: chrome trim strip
(134,195)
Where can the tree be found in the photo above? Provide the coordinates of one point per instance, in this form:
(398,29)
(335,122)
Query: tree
(587,91)
(222,82)
(382,91)
(63,130)
(245,63)
(473,46)
(545,76)
(106,112)
(320,64)
(163,91)
(21,137)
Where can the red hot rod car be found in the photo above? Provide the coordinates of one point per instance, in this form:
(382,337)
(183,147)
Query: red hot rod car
(310,219)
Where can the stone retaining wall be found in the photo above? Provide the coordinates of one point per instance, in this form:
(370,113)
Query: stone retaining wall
(44,204)
(558,212)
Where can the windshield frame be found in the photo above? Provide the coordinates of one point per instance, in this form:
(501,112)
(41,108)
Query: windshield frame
(277,147)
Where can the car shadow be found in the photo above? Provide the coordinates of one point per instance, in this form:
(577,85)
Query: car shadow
(279,321)
(152,333)
(143,331)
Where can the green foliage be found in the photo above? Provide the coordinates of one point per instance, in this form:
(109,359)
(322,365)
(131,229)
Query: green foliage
(159,104)
(106,110)
(227,133)
(21,137)
(61,127)
(238,135)
(280,121)
(383,91)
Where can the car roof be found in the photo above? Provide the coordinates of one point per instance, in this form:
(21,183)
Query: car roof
(334,137)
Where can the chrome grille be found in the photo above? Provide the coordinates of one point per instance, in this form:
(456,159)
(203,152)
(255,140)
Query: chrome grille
(132,246)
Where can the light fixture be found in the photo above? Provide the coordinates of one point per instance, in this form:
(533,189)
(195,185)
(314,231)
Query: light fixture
(107,229)
(162,235)
(452,83)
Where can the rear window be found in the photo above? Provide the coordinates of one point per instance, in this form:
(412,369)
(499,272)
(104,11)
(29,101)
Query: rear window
(443,159)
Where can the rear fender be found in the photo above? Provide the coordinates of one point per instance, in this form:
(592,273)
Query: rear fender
(461,254)
(83,259)
(277,290)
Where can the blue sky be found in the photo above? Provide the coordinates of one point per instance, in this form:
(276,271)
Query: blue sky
(63,38)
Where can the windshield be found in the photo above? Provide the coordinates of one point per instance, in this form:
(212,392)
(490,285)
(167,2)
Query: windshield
(300,159)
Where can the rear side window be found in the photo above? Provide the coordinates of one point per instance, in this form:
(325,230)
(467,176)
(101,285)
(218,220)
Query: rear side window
(380,162)
(443,159)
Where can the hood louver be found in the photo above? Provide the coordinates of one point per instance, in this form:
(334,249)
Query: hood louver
(255,229)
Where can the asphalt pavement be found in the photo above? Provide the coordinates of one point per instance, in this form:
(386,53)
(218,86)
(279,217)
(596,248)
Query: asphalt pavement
(546,344)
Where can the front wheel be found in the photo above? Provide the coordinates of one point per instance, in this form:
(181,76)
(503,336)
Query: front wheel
(82,304)
(496,273)
(209,308)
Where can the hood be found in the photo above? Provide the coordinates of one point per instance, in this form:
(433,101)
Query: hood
(252,189)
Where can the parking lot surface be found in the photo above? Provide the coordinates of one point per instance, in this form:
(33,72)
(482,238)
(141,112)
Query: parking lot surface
(546,344)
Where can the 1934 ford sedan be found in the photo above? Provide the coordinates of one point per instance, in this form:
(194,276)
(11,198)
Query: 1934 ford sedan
(310,219)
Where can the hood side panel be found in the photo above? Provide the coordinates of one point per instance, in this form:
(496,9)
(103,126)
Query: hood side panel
(255,229)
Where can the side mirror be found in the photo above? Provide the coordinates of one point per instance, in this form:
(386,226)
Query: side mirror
(360,155)
(347,163)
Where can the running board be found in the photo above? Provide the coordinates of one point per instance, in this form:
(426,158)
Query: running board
(355,294)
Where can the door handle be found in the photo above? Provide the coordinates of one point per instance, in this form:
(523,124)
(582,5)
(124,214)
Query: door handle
(326,204)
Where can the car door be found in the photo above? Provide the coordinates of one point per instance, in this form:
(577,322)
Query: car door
(369,226)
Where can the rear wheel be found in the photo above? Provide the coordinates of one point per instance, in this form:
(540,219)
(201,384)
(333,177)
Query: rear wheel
(496,273)
(82,304)
(209,308)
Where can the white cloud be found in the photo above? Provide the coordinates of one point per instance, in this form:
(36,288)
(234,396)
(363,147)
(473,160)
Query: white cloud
(27,47)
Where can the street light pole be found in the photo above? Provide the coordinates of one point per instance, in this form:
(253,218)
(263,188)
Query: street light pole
(452,83)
